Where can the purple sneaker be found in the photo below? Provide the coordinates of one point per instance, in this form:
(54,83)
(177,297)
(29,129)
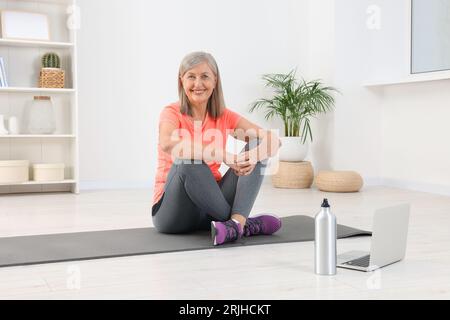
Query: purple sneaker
(262,225)
(227,231)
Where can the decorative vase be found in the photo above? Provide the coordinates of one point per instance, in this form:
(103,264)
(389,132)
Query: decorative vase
(41,117)
(13,125)
(293,150)
(3,130)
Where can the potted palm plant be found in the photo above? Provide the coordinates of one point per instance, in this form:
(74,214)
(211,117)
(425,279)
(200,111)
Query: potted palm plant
(295,102)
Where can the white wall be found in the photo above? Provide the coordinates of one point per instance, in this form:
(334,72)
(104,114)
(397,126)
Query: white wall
(320,52)
(357,120)
(350,137)
(129,54)
(416,136)
(394,135)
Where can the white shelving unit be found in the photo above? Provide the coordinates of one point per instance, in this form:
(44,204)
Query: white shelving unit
(22,59)
(34,183)
(29,43)
(35,90)
(28,136)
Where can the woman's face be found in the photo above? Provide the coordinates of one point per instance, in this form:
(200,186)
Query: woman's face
(199,83)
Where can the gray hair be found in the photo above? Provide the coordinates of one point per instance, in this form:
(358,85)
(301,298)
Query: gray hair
(216,103)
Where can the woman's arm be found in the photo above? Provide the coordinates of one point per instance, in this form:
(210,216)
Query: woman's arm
(268,147)
(186,148)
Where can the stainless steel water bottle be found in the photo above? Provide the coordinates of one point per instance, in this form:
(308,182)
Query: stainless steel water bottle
(325,241)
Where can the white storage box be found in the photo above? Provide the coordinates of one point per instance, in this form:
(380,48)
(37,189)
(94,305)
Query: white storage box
(48,172)
(15,171)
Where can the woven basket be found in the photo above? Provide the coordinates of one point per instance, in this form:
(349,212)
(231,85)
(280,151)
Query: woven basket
(339,181)
(51,78)
(294,175)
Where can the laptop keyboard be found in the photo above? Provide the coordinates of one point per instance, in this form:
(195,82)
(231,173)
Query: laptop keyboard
(363,262)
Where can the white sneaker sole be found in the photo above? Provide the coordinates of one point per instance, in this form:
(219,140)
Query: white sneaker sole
(213,232)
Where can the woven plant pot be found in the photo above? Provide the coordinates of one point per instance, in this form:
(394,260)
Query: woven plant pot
(294,175)
(339,181)
(51,78)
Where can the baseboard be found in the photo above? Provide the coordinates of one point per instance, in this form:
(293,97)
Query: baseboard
(115,185)
(368,182)
(407,185)
(418,186)
(372,181)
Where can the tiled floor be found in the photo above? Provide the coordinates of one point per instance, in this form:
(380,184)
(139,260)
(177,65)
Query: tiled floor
(281,271)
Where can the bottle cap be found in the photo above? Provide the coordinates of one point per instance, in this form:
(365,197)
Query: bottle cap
(325,203)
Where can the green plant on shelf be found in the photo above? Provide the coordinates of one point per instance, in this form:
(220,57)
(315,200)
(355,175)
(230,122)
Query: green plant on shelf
(51,60)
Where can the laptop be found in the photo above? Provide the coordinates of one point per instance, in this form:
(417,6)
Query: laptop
(389,237)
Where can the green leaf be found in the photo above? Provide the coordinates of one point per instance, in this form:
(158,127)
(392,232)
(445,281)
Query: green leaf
(295,102)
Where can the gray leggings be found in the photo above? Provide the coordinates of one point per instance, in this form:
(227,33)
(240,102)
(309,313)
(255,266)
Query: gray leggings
(193,198)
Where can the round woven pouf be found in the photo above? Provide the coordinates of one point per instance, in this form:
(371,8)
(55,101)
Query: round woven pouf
(339,181)
(294,175)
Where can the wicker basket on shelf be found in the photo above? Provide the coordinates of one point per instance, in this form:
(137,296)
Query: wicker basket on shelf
(51,78)
(294,175)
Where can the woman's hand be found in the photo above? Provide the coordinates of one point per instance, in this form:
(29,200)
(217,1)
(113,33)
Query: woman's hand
(240,164)
(245,170)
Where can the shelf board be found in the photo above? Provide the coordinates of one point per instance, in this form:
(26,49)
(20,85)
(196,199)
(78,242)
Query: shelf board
(31,183)
(38,136)
(57,2)
(31,43)
(411,78)
(34,90)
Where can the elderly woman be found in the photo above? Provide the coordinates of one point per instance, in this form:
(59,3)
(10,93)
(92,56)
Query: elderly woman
(190,193)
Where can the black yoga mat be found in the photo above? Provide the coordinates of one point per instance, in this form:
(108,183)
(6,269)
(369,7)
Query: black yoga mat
(30,250)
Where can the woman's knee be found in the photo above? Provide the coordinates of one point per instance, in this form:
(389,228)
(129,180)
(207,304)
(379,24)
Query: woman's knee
(170,227)
(190,166)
